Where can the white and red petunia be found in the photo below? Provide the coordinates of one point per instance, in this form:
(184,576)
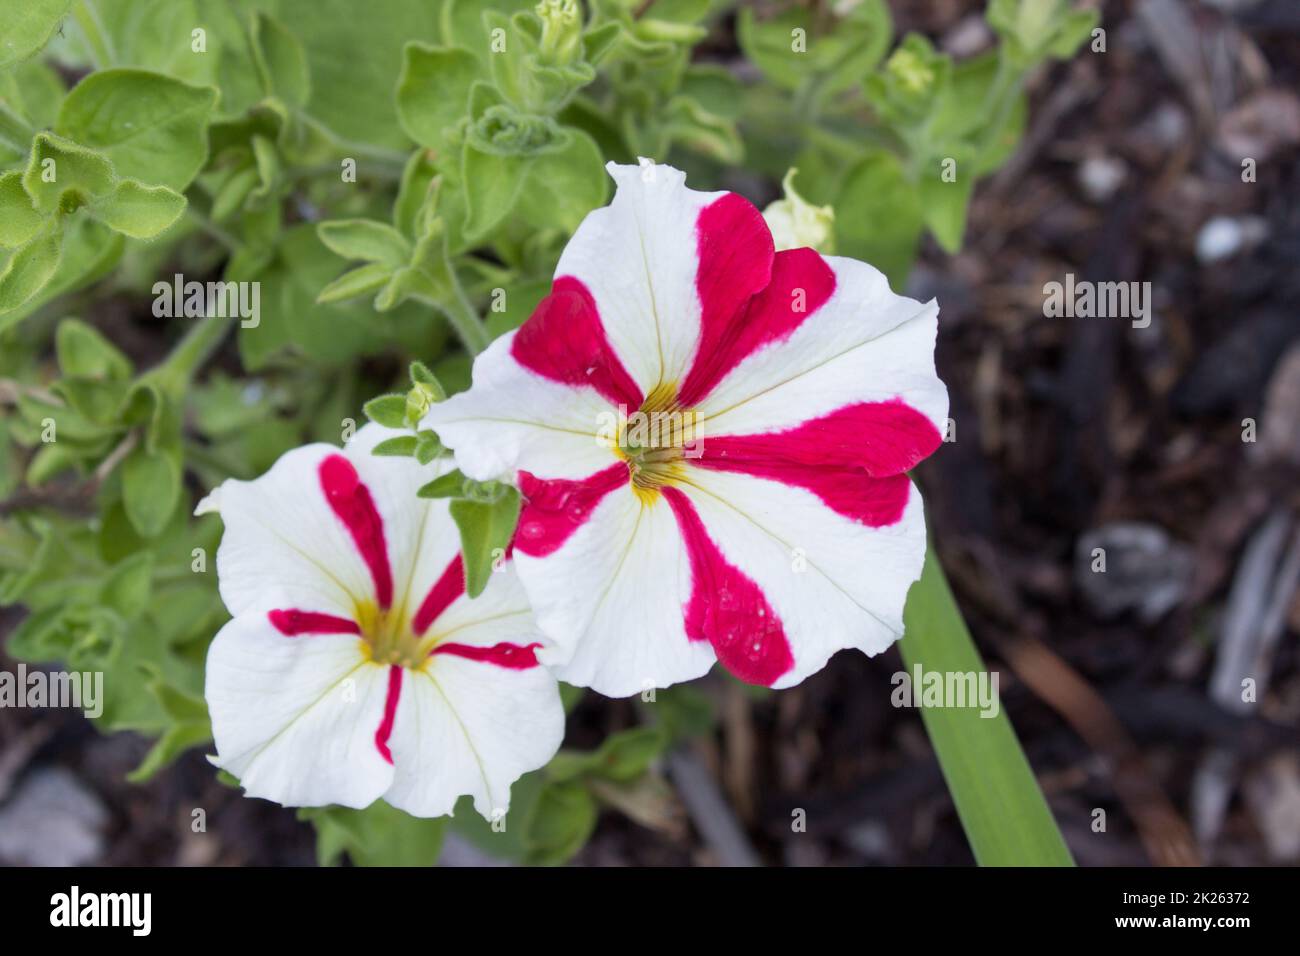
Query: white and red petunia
(355,666)
(778,524)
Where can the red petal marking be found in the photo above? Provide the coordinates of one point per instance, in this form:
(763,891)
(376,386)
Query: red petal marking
(881,438)
(352,503)
(728,609)
(390,712)
(555,509)
(564,340)
(515,657)
(745,291)
(449,586)
(853,459)
(293,622)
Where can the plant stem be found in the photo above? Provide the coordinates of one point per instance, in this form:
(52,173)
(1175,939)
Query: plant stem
(1001,807)
(212,229)
(175,373)
(463,317)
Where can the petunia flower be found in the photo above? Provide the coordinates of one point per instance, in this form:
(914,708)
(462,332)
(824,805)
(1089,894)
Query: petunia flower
(355,666)
(769,521)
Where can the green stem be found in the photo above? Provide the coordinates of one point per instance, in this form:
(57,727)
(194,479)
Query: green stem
(464,317)
(191,352)
(378,154)
(212,229)
(1001,807)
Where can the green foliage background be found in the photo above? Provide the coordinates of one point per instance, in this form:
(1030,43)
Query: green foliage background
(400,177)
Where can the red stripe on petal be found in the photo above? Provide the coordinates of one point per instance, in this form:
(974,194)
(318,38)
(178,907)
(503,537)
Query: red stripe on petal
(291,623)
(553,510)
(727,608)
(801,283)
(352,503)
(449,586)
(881,438)
(390,712)
(564,340)
(515,657)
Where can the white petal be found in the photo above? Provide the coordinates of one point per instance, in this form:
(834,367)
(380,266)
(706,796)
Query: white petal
(638,258)
(611,599)
(419,532)
(471,727)
(500,613)
(283,547)
(854,579)
(295,717)
(865,344)
(514,418)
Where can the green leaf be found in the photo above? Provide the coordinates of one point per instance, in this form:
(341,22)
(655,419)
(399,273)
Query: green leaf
(462,22)
(486,528)
(433,91)
(63,176)
(187,726)
(427,447)
(150,34)
(28,270)
(128,585)
(233,193)
(355,282)
(379,835)
(28,26)
(367,240)
(138,211)
(152,127)
(83,351)
(493,183)
(416,193)
(19,220)
(564,186)
(89,251)
(355,56)
(151,489)
(1034,30)
(387,410)
(281,61)
(450,485)
(998,800)
(424,378)
(945,204)
(878,216)
(403,446)
(622,757)
(559,824)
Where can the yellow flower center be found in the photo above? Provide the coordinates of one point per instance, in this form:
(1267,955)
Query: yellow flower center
(655,439)
(388,636)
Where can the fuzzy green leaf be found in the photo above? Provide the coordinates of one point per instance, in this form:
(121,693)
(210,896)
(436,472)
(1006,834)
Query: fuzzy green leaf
(152,127)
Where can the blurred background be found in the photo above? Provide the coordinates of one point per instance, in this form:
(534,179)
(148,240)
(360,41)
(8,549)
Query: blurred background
(1173,448)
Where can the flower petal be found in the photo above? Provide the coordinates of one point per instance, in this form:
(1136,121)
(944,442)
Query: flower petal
(864,345)
(283,546)
(801,282)
(323,530)
(514,417)
(610,596)
(832,582)
(480,713)
(661,260)
(296,718)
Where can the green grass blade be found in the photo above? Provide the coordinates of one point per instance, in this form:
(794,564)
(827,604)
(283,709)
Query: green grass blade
(1002,810)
